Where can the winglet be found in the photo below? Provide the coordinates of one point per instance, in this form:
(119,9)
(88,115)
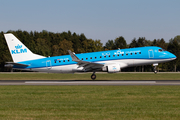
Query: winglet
(73,56)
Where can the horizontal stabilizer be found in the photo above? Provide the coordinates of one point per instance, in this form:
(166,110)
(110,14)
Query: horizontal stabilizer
(11,64)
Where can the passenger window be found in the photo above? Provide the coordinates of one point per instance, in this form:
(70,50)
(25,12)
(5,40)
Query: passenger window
(95,57)
(118,55)
(135,53)
(55,61)
(100,57)
(109,56)
(122,54)
(104,56)
(131,53)
(59,61)
(126,53)
(68,60)
(139,52)
(63,60)
(86,58)
(113,55)
(82,59)
(90,57)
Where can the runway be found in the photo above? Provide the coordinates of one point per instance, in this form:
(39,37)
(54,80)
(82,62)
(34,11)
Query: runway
(87,82)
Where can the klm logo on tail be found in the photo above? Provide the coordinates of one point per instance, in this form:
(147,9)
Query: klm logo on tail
(18,50)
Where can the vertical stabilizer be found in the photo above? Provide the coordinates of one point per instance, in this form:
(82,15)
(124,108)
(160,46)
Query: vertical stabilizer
(18,50)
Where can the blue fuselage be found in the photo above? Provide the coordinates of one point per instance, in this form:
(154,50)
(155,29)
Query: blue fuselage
(129,57)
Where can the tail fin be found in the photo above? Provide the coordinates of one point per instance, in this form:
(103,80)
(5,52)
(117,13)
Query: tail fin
(18,50)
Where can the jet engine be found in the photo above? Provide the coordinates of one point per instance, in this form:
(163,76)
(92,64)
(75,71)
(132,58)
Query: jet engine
(113,68)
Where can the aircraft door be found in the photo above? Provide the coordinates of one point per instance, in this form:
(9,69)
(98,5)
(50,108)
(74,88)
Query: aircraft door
(48,64)
(151,53)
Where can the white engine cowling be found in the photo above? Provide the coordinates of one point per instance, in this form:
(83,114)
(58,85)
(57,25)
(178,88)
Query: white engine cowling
(113,68)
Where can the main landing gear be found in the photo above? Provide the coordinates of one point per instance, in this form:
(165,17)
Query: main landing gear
(93,76)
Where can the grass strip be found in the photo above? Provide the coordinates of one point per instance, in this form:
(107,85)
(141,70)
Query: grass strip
(90,102)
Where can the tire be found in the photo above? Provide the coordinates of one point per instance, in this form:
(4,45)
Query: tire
(93,76)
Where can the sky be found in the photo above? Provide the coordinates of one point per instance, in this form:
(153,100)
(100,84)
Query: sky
(97,19)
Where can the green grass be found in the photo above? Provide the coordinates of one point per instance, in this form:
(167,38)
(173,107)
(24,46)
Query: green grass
(86,76)
(90,102)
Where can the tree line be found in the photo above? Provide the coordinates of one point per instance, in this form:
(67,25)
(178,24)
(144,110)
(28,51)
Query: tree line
(54,44)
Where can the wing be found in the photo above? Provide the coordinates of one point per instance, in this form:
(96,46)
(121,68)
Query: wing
(87,66)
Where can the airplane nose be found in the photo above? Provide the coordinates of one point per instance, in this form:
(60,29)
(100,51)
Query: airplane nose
(172,56)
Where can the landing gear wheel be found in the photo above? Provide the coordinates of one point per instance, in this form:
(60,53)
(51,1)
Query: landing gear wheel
(93,76)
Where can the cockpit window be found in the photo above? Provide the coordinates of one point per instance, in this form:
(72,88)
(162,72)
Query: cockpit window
(161,50)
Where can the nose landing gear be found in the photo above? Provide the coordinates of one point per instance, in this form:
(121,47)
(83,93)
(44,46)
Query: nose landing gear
(155,68)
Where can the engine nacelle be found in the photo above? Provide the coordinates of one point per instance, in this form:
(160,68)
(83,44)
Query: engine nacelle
(112,68)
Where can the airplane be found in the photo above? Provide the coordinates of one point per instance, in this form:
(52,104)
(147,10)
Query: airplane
(111,61)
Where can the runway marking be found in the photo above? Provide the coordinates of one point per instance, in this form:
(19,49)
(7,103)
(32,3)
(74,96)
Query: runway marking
(88,82)
(92,82)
